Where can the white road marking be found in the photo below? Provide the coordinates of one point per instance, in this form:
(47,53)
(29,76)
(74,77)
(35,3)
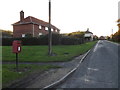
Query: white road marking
(96,47)
(86,80)
(93,69)
(67,73)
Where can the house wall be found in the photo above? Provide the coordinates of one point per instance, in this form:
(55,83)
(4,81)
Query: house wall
(33,29)
(88,36)
(18,30)
(43,31)
(21,28)
(37,30)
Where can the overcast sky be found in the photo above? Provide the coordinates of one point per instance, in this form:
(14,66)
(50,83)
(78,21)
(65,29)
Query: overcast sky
(99,16)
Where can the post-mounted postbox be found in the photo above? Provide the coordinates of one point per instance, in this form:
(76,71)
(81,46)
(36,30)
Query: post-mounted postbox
(16,46)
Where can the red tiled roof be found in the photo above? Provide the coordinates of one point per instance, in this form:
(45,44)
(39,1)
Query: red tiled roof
(34,20)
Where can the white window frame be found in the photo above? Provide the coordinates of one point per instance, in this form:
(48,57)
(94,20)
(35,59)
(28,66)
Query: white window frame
(40,27)
(23,35)
(40,34)
(46,28)
(51,29)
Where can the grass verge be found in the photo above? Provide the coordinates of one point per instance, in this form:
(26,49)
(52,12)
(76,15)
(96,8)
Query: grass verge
(114,41)
(9,73)
(40,53)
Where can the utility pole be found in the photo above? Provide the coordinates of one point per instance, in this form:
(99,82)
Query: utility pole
(50,33)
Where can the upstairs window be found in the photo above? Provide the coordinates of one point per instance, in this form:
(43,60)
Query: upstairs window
(51,29)
(40,27)
(46,28)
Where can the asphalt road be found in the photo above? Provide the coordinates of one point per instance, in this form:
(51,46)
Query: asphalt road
(98,70)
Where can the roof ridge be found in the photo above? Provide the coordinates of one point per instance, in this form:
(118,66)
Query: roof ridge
(37,19)
(30,18)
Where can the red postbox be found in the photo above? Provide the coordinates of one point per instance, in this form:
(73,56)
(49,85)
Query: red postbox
(16,46)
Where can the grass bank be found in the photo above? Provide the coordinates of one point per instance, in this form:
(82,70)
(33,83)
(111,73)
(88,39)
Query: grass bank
(40,53)
(10,75)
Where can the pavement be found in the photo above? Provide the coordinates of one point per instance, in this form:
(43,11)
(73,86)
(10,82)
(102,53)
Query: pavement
(99,69)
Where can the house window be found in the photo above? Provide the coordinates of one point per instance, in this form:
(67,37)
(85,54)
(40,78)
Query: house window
(40,34)
(46,28)
(23,35)
(40,27)
(51,29)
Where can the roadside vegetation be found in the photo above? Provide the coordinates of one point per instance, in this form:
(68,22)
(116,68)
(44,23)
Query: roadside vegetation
(116,35)
(40,53)
(10,75)
(6,33)
(37,54)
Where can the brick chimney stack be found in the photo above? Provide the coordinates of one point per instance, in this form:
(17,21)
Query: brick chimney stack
(21,16)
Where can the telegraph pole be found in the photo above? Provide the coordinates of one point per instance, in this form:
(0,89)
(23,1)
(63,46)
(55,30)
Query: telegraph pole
(50,33)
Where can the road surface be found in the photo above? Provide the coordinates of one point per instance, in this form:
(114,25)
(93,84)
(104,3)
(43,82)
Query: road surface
(98,70)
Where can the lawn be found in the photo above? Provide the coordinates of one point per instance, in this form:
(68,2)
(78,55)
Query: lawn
(40,53)
(37,54)
(9,73)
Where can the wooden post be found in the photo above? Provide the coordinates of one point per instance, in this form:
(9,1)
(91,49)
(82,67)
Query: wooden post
(50,33)
(16,61)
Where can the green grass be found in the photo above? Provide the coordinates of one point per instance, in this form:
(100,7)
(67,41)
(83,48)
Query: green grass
(117,42)
(40,53)
(10,74)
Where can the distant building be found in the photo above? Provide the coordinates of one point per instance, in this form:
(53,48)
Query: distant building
(31,26)
(88,35)
(102,38)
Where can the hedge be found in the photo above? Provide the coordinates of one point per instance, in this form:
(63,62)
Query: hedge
(57,39)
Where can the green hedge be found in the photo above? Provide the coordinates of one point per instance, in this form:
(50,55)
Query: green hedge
(57,39)
(116,38)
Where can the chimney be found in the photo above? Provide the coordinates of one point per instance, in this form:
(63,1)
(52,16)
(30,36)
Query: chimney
(21,16)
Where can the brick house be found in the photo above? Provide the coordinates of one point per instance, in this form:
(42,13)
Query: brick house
(31,26)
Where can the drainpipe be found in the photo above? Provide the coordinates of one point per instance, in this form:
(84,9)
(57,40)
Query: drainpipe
(33,30)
